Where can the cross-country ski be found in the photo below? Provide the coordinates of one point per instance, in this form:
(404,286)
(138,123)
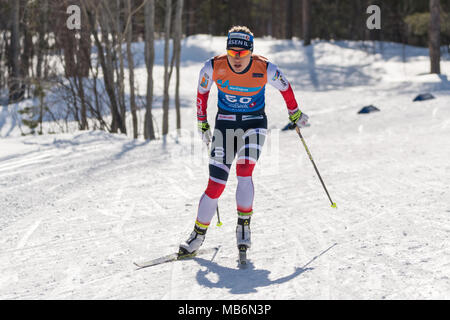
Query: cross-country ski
(175,257)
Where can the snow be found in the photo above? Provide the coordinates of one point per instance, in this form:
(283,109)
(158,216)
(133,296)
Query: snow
(78,208)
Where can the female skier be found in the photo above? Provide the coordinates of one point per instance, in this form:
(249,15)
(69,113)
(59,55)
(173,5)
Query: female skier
(240,129)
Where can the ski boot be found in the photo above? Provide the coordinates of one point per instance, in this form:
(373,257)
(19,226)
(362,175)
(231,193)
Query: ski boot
(243,238)
(193,243)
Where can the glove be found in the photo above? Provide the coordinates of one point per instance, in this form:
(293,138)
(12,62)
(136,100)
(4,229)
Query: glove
(205,131)
(299,118)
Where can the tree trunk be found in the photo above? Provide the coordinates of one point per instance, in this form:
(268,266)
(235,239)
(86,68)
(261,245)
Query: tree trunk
(306,15)
(121,69)
(43,26)
(15,93)
(274,25)
(177,53)
(83,112)
(27,52)
(83,65)
(168,14)
(290,19)
(434,37)
(149,132)
(191,6)
(133,106)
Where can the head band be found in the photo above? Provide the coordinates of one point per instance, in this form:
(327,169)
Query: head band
(240,40)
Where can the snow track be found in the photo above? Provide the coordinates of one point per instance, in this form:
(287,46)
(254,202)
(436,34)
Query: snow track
(78,209)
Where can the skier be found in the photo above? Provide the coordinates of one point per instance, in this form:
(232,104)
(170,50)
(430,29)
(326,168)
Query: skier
(240,129)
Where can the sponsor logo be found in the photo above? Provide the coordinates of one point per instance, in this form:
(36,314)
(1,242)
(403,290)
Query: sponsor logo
(237,43)
(226,85)
(204,82)
(237,35)
(231,117)
(276,76)
(245,118)
(199,107)
(280,78)
(258,75)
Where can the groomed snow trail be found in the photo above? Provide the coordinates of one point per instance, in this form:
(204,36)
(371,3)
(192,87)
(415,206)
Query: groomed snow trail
(78,209)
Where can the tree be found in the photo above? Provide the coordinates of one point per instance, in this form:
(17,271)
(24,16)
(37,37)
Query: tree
(121,68)
(167,21)
(43,29)
(177,54)
(290,19)
(133,106)
(191,6)
(434,37)
(149,132)
(306,15)
(91,11)
(15,90)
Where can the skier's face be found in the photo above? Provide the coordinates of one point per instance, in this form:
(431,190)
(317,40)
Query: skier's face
(237,62)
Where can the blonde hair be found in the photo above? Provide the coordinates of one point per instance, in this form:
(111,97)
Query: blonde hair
(240,29)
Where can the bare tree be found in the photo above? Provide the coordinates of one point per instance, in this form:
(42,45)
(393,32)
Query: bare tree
(133,106)
(15,91)
(42,33)
(306,15)
(167,22)
(434,37)
(177,54)
(191,6)
(28,49)
(149,132)
(290,19)
(121,69)
(76,45)
(91,10)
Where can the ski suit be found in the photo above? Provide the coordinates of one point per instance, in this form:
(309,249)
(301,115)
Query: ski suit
(240,126)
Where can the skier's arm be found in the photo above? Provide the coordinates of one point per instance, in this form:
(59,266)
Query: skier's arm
(277,79)
(204,85)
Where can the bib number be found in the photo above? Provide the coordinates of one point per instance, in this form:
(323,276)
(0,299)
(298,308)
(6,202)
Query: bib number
(234,99)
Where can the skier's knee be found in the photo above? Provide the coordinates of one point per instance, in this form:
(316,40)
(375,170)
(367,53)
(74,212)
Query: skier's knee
(245,169)
(214,189)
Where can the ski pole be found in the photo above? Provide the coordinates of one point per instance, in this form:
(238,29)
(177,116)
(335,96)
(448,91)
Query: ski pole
(333,204)
(219,223)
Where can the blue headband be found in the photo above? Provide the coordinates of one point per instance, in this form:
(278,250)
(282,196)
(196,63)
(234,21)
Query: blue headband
(240,40)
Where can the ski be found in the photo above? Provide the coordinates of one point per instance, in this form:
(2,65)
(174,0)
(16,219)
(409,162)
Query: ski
(242,255)
(175,257)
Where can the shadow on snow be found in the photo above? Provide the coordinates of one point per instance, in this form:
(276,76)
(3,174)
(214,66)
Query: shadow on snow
(240,281)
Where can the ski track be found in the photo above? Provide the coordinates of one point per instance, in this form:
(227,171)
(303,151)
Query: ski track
(77,210)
